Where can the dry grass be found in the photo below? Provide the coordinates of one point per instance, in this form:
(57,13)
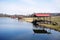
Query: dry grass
(53,18)
(55,27)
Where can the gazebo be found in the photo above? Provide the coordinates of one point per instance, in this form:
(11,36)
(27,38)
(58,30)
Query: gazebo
(43,16)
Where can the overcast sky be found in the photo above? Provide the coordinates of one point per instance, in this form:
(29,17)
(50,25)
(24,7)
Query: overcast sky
(29,6)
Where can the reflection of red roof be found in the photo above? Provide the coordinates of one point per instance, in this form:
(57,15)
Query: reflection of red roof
(41,14)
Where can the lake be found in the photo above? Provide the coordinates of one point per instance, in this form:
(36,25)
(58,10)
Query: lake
(12,29)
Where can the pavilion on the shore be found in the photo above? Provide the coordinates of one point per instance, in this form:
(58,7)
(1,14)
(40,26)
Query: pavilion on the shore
(43,16)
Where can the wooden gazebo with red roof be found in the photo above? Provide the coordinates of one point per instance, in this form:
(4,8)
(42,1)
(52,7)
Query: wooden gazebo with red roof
(45,16)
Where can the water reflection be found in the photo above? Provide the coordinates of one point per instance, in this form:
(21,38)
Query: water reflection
(40,30)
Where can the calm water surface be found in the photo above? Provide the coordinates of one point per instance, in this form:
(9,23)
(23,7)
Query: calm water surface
(12,29)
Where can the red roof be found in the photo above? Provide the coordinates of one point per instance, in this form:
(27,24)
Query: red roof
(41,14)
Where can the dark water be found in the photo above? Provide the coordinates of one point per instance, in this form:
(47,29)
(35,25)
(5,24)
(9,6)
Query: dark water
(12,29)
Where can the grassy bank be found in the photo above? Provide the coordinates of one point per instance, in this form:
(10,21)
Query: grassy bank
(53,18)
(55,27)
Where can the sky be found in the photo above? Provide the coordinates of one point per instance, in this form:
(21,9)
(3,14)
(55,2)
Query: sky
(26,7)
